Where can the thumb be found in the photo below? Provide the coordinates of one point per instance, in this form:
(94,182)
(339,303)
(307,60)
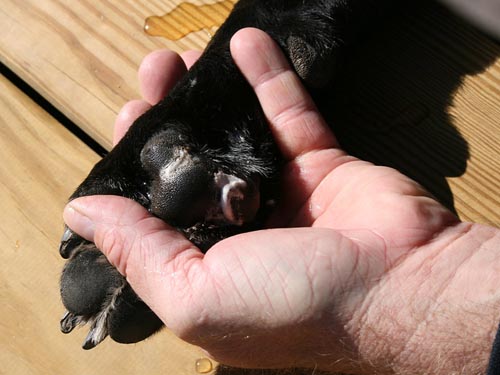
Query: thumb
(142,247)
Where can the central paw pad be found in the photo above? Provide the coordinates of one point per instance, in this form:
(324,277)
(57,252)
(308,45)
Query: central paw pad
(187,189)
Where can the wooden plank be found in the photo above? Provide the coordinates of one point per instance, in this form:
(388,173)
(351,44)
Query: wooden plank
(83,55)
(473,113)
(41,165)
(477,112)
(424,97)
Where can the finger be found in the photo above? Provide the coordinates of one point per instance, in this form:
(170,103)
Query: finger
(158,73)
(127,115)
(190,57)
(155,258)
(117,225)
(294,120)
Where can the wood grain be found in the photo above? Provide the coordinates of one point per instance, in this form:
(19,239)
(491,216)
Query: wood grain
(477,113)
(41,164)
(423,96)
(83,55)
(425,99)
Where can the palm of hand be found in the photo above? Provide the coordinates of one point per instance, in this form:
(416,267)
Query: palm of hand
(361,200)
(362,220)
(382,211)
(342,225)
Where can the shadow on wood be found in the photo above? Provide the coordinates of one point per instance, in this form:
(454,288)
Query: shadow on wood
(391,102)
(390,105)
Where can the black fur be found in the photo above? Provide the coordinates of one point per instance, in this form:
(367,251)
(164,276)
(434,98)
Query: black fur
(207,135)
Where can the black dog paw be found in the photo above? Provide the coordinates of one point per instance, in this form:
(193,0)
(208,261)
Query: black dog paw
(189,188)
(194,188)
(203,159)
(95,293)
(315,66)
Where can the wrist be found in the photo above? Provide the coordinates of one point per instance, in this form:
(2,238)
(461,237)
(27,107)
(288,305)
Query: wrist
(437,310)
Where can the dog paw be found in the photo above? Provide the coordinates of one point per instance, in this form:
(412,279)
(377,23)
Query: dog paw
(188,188)
(94,293)
(183,184)
(203,160)
(313,65)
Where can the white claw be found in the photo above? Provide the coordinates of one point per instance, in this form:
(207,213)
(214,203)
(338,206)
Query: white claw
(238,202)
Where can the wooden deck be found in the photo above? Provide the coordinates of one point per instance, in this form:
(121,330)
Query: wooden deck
(426,100)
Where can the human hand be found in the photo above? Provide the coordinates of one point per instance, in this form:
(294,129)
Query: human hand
(353,247)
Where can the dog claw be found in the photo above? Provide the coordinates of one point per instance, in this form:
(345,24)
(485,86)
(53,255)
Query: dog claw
(69,321)
(66,235)
(98,332)
(239,200)
(90,342)
(69,242)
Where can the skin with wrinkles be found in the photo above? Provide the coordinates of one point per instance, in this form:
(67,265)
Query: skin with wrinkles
(357,270)
(203,158)
(371,262)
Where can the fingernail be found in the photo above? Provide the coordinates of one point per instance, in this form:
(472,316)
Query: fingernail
(79,222)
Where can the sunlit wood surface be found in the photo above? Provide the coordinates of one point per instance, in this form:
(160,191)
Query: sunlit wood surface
(83,55)
(41,164)
(434,114)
